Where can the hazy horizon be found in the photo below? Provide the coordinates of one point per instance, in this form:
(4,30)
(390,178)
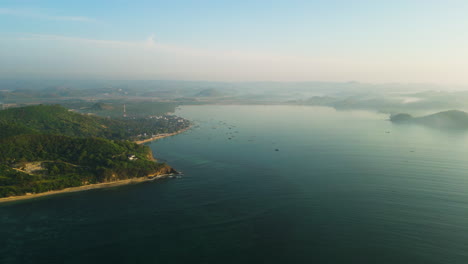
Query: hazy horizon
(286,41)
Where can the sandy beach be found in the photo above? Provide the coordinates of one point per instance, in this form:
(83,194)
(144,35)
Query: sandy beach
(162,136)
(85,188)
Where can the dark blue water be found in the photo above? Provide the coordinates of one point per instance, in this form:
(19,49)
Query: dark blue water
(266,184)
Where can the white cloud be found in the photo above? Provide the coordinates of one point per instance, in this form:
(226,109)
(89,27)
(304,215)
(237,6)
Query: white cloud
(40,14)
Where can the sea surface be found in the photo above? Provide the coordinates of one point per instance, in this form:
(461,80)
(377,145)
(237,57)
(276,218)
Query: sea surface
(266,184)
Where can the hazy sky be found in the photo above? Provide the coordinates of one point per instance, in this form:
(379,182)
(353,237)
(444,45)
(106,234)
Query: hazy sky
(251,40)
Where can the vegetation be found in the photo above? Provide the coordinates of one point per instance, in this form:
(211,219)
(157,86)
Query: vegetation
(46,148)
(55,119)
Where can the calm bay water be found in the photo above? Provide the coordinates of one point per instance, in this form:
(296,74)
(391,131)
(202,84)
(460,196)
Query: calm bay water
(266,184)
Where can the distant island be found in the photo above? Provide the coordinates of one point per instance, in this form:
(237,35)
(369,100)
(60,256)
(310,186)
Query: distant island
(45,148)
(452,119)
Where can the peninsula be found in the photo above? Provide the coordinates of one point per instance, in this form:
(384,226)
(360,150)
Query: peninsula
(47,149)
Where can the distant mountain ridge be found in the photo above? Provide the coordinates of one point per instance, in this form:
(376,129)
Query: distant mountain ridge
(452,119)
(211,92)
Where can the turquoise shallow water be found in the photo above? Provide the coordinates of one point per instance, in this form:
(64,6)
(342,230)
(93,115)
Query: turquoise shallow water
(343,187)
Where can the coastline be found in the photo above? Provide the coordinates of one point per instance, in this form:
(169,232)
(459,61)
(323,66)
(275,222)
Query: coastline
(162,136)
(86,187)
(99,185)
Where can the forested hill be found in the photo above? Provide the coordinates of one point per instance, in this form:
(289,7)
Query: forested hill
(45,148)
(51,119)
(58,120)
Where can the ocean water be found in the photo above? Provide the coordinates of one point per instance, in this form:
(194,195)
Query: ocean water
(266,184)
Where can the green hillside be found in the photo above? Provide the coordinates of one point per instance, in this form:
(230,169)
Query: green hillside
(58,120)
(55,119)
(45,148)
(63,161)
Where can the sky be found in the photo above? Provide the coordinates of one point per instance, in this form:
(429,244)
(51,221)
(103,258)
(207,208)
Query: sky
(402,41)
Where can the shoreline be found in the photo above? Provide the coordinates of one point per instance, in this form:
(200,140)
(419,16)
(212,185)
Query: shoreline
(86,187)
(163,136)
(99,185)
